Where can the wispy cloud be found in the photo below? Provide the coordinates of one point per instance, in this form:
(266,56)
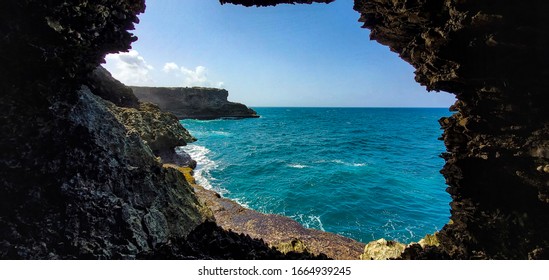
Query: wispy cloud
(130,68)
(170,67)
(191,77)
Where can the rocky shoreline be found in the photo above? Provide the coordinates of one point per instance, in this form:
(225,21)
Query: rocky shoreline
(282,233)
(288,236)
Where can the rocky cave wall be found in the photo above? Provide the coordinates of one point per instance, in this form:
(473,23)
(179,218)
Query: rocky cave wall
(77,182)
(492,55)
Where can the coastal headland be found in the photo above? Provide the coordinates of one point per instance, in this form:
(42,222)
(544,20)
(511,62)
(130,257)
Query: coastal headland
(194,102)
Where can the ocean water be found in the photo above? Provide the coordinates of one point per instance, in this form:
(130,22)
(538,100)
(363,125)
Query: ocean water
(365,173)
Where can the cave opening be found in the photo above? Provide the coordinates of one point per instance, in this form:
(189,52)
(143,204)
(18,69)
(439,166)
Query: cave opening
(81,178)
(312,54)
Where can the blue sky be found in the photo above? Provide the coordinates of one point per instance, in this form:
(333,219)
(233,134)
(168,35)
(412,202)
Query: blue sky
(289,55)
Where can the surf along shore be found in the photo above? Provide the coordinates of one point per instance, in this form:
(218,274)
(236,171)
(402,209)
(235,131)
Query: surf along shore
(281,232)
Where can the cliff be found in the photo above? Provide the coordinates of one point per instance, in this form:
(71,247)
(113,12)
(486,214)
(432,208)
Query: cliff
(195,102)
(492,56)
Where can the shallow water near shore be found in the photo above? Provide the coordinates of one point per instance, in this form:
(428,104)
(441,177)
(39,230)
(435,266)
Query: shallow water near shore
(364,173)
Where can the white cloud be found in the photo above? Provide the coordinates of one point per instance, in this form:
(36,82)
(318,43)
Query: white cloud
(170,67)
(130,68)
(191,77)
(196,77)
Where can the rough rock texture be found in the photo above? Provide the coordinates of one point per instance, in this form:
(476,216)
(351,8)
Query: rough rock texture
(62,41)
(160,130)
(75,183)
(102,84)
(209,241)
(278,231)
(382,249)
(83,186)
(194,103)
(493,56)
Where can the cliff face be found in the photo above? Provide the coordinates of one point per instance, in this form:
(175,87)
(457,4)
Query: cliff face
(76,183)
(194,103)
(492,56)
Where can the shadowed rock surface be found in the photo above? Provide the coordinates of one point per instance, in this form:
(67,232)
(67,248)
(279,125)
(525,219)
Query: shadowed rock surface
(102,84)
(86,187)
(210,242)
(195,102)
(492,56)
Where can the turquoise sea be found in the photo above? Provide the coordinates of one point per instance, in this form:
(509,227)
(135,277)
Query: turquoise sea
(365,173)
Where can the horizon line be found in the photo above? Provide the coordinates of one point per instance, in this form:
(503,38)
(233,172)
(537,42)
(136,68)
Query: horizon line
(353,107)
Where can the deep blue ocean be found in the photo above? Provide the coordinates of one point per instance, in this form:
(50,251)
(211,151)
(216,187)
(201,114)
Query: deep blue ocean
(365,173)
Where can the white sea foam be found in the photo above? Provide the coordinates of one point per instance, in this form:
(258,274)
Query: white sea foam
(409,229)
(204,166)
(390,225)
(220,133)
(317,220)
(309,221)
(202,173)
(299,166)
(338,161)
(242,203)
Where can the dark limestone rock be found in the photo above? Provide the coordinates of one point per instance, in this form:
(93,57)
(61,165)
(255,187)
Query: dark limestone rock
(492,55)
(209,241)
(90,190)
(195,102)
(102,84)
(60,42)
(177,157)
(74,182)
